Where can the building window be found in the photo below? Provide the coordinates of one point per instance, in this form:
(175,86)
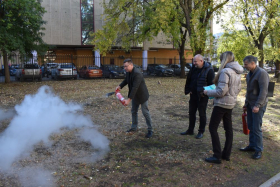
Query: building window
(87,19)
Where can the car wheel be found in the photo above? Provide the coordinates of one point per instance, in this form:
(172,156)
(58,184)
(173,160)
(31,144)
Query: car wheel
(161,74)
(75,78)
(111,76)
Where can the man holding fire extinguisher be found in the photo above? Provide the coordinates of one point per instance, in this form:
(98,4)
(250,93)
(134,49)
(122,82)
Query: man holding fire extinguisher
(138,94)
(255,104)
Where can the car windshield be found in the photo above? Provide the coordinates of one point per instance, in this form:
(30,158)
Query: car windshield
(93,67)
(67,66)
(163,66)
(31,66)
(51,65)
(115,68)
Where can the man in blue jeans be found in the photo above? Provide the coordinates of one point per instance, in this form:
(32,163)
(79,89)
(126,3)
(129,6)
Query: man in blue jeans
(255,104)
(138,94)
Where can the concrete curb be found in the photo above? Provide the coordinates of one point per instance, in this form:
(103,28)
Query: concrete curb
(272,181)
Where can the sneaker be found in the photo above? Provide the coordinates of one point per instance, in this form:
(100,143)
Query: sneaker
(149,134)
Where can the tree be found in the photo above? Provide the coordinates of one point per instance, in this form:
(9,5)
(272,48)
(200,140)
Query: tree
(258,18)
(274,49)
(129,22)
(20,28)
(237,42)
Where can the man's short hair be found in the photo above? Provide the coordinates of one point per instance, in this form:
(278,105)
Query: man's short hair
(250,59)
(128,60)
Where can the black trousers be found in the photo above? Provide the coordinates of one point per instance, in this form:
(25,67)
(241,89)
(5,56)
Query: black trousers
(218,114)
(197,103)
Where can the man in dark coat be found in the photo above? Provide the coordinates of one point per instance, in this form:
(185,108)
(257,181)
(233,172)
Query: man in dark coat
(201,74)
(138,94)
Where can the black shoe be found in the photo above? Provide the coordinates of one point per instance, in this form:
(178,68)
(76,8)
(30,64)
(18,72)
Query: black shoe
(213,160)
(225,158)
(199,135)
(187,133)
(131,130)
(149,134)
(257,155)
(247,149)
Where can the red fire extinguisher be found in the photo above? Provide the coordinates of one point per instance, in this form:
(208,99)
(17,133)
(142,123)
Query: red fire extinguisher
(119,96)
(244,121)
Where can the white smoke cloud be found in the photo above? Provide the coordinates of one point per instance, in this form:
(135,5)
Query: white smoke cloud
(39,116)
(42,178)
(6,114)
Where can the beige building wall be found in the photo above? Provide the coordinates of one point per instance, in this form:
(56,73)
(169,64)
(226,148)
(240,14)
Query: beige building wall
(63,25)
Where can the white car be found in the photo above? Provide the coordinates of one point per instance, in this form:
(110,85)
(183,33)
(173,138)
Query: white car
(64,71)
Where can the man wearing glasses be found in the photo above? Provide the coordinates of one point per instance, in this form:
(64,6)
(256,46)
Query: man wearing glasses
(138,94)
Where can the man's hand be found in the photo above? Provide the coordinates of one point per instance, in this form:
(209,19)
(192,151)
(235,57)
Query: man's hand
(118,88)
(127,101)
(255,109)
(244,108)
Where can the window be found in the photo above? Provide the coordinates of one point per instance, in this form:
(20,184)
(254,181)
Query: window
(87,17)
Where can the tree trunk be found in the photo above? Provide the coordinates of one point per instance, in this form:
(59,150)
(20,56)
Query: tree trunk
(6,67)
(182,53)
(261,55)
(277,68)
(182,62)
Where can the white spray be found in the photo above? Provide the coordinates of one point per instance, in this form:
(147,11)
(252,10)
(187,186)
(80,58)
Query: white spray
(37,117)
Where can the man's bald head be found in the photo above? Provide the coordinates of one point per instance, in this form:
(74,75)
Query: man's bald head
(198,61)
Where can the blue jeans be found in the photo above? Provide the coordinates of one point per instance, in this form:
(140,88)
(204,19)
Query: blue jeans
(254,121)
(145,112)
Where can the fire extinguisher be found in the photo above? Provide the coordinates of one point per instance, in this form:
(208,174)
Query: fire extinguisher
(244,121)
(119,96)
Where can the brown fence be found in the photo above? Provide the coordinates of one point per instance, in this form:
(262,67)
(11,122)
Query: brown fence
(80,60)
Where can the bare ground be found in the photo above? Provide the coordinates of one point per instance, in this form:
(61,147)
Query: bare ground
(166,159)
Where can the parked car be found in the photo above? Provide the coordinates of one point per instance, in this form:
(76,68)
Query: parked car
(177,69)
(15,66)
(113,71)
(270,68)
(28,71)
(47,68)
(151,69)
(12,70)
(138,67)
(64,71)
(161,70)
(90,71)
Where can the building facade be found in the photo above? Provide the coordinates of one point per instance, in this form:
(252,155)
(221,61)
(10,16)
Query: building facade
(68,28)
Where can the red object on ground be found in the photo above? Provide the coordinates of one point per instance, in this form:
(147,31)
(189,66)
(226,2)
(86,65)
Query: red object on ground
(245,126)
(119,96)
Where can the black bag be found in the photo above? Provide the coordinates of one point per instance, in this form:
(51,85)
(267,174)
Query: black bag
(271,85)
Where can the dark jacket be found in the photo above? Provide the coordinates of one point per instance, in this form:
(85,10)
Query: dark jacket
(137,87)
(204,77)
(257,88)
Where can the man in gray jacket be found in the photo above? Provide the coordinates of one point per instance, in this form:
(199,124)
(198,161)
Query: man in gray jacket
(255,104)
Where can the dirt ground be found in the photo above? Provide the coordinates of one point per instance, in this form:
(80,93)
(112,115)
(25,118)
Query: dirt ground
(166,159)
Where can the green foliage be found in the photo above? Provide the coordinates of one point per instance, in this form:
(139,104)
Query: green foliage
(259,19)
(128,23)
(238,42)
(21,25)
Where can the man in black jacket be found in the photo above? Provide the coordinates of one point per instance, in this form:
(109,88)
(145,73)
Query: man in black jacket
(201,74)
(138,94)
